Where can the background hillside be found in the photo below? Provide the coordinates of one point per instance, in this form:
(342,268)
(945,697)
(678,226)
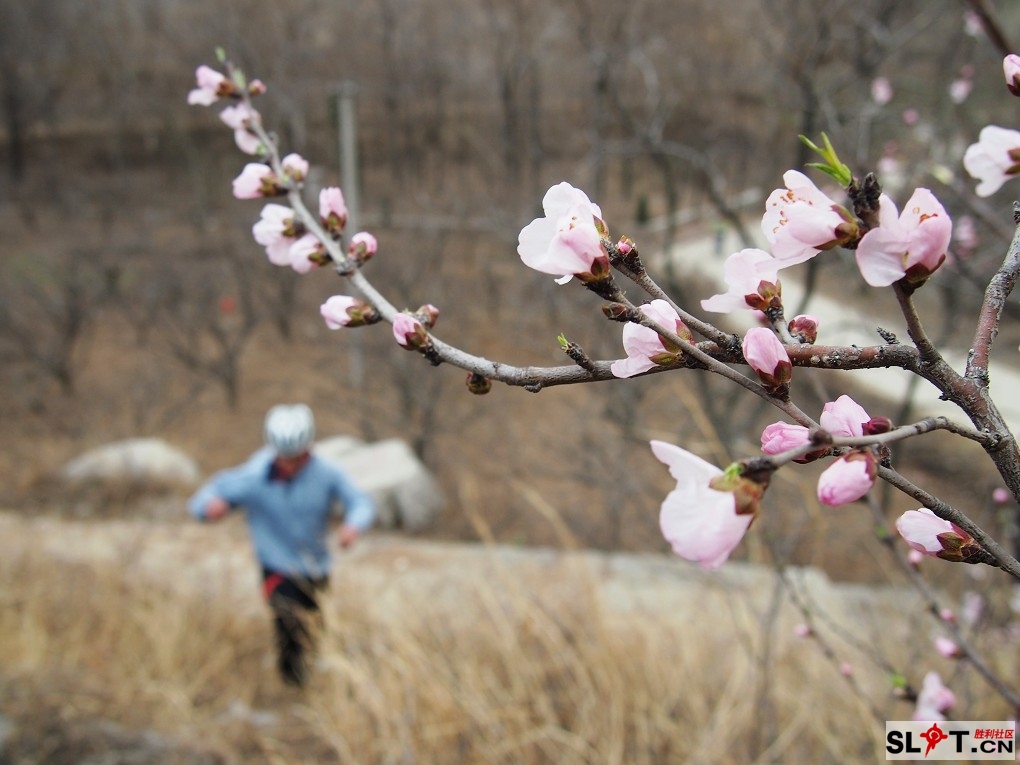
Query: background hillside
(133,302)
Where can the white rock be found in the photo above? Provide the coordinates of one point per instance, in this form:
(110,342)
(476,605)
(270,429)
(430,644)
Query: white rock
(406,493)
(135,461)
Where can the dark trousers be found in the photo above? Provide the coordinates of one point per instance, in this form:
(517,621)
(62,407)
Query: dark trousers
(296,617)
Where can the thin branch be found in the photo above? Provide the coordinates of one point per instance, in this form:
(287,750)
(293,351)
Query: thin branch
(947,512)
(926,592)
(999,288)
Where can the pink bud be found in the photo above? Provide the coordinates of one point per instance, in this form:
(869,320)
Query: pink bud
(212,86)
(914,557)
(994,159)
(362,247)
(947,615)
(847,479)
(767,356)
(307,253)
(336,310)
(881,91)
(947,648)
(332,209)
(780,437)
(802,631)
(933,700)
(295,167)
(1011,68)
(928,533)
(409,332)
(846,669)
(1001,495)
(256,180)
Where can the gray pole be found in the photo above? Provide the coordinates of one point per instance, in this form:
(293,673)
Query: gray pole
(346,95)
(347,135)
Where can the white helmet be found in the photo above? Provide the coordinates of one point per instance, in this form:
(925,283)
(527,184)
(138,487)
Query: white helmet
(290,429)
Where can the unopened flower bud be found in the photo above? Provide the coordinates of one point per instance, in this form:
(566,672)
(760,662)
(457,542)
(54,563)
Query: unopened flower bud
(256,88)
(876,426)
(344,311)
(295,167)
(930,535)
(428,315)
(332,210)
(947,648)
(804,328)
(618,312)
(848,478)
(629,255)
(1011,68)
(478,384)
(362,247)
(767,356)
(410,332)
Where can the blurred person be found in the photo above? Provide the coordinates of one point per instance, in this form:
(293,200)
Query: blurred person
(288,496)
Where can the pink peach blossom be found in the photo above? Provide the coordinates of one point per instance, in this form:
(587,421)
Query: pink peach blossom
(927,533)
(881,91)
(644,346)
(959,89)
(780,437)
(567,241)
(947,648)
(994,159)
(800,221)
(363,246)
(256,180)
(911,244)
(295,167)
(336,310)
(408,331)
(333,209)
(1001,495)
(700,523)
(744,273)
(933,700)
(275,231)
(767,356)
(211,86)
(239,118)
(844,418)
(1011,69)
(306,253)
(847,479)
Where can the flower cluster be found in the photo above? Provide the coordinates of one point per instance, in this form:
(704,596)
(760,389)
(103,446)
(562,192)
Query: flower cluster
(995,158)
(290,237)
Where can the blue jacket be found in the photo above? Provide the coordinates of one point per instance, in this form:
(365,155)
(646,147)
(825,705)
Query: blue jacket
(288,520)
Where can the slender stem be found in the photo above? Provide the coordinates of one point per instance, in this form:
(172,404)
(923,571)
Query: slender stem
(999,288)
(927,425)
(947,512)
(926,592)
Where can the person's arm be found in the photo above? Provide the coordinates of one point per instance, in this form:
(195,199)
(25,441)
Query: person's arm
(359,509)
(221,494)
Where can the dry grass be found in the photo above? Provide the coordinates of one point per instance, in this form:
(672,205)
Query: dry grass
(440,653)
